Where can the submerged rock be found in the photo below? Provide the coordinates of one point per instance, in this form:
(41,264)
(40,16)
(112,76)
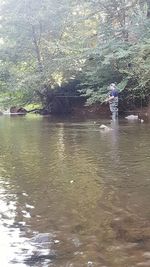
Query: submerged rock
(39,258)
(42,238)
(41,249)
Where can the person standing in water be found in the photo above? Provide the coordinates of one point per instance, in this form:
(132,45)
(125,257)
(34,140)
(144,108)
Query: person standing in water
(112,99)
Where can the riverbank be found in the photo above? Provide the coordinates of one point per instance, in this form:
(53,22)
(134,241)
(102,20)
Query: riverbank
(81,110)
(103,111)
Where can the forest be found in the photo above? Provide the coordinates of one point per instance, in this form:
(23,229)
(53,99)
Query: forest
(54,53)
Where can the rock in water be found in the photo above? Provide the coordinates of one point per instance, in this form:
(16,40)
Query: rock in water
(132,117)
(104,127)
(18,110)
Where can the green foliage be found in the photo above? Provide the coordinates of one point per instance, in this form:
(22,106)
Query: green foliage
(33,106)
(125,63)
(47,43)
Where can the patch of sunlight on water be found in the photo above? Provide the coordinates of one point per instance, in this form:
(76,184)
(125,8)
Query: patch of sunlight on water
(8,237)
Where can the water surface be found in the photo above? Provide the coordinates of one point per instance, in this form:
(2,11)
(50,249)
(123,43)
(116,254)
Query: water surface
(73,195)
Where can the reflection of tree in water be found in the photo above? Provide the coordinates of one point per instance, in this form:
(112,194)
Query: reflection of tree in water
(122,223)
(97,208)
(103,211)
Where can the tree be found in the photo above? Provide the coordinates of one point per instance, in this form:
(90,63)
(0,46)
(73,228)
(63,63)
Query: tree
(46,43)
(122,52)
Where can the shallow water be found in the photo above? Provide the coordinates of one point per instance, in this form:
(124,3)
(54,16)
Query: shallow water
(72,195)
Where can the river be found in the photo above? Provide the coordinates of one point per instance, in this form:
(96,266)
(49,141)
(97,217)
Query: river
(72,195)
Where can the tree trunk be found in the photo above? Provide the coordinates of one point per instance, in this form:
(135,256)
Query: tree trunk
(37,49)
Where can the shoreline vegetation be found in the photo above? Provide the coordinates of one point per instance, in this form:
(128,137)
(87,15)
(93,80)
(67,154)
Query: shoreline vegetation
(64,55)
(101,111)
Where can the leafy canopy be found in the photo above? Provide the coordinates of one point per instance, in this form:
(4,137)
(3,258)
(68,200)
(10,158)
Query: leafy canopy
(47,43)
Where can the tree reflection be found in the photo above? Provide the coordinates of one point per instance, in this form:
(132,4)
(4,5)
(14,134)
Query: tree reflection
(103,207)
